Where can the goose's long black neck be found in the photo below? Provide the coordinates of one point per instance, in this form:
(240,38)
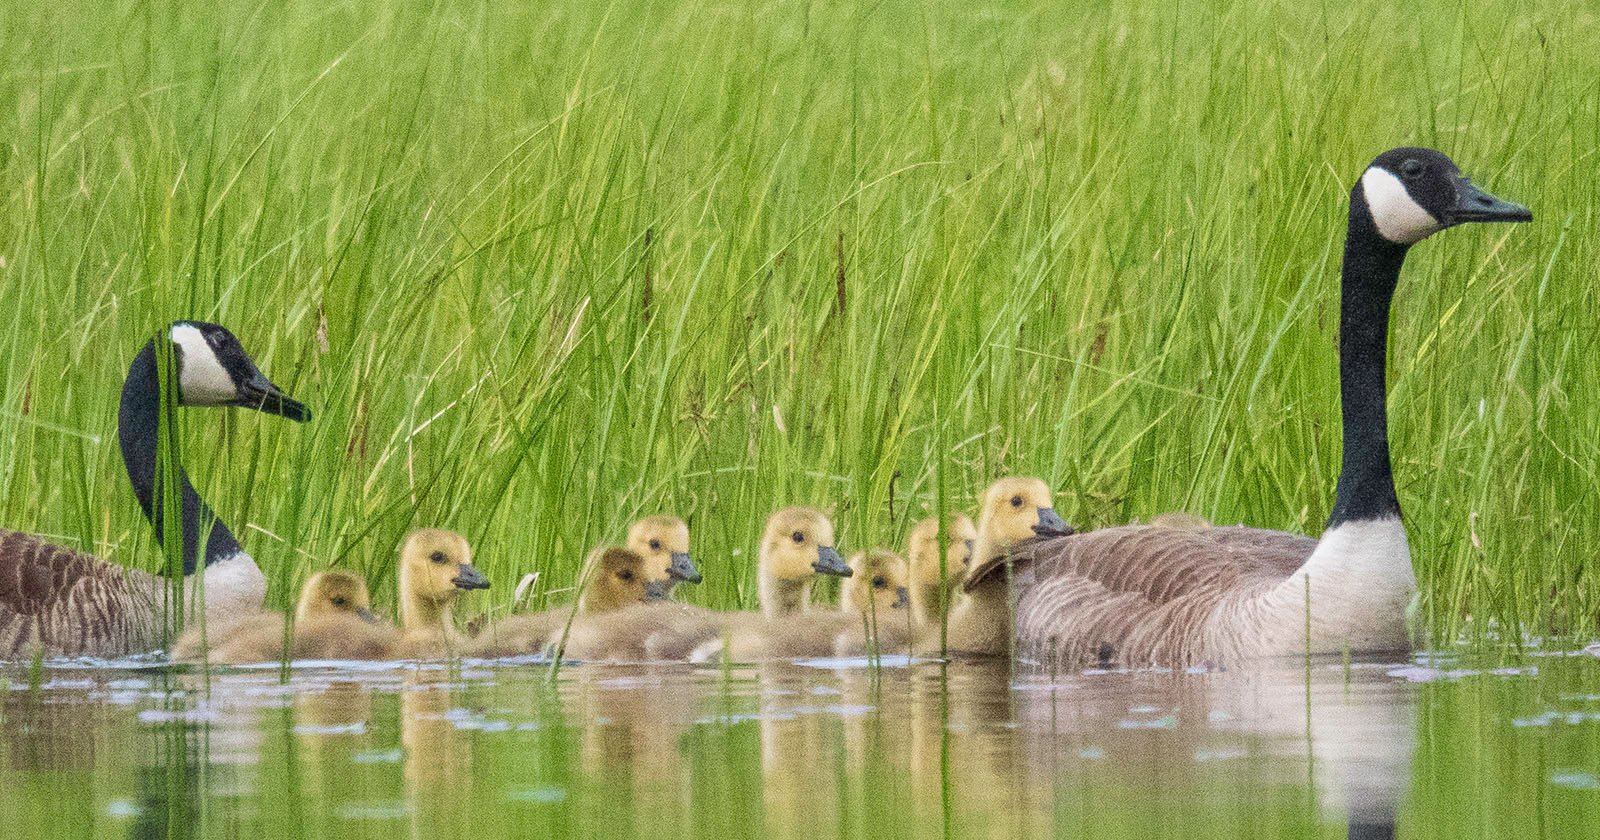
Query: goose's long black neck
(138,431)
(1371,269)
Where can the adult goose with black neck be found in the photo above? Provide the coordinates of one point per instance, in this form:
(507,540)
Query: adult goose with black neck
(62,602)
(1144,595)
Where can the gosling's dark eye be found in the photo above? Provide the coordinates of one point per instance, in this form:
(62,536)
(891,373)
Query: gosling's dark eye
(1016,501)
(798,536)
(339,601)
(655,545)
(1411,169)
(625,574)
(439,558)
(879,582)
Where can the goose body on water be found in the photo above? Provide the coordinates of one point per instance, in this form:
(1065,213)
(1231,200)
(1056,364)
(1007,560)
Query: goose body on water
(1143,595)
(62,602)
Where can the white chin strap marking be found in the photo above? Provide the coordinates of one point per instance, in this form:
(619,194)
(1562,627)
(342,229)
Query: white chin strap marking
(1398,217)
(202,379)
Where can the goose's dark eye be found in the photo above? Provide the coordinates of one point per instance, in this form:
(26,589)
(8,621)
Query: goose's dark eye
(655,545)
(798,536)
(438,558)
(1411,168)
(1016,501)
(339,601)
(625,574)
(879,582)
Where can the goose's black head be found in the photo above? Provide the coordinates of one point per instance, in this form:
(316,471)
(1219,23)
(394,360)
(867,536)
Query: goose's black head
(213,369)
(1411,193)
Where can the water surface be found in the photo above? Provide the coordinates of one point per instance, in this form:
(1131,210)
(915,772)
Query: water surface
(1429,747)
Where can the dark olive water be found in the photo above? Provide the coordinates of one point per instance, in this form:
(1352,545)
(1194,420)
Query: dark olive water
(1431,747)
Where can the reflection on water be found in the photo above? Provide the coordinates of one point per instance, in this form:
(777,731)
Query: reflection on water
(1431,748)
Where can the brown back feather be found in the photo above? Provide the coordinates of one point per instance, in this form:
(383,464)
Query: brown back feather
(1141,594)
(70,603)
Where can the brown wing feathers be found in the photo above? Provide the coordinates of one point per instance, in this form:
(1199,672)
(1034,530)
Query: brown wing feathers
(69,603)
(1139,594)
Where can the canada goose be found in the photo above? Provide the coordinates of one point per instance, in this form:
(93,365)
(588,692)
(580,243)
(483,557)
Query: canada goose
(612,578)
(435,568)
(332,620)
(663,541)
(1170,596)
(928,588)
(64,602)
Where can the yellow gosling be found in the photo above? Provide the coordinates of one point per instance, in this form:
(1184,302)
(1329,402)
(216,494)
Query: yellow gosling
(663,542)
(796,546)
(929,585)
(435,568)
(612,578)
(333,620)
(1013,510)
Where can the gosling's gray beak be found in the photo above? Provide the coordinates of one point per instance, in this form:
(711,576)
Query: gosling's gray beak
(830,562)
(682,568)
(366,615)
(657,590)
(468,577)
(902,597)
(1051,525)
(1475,205)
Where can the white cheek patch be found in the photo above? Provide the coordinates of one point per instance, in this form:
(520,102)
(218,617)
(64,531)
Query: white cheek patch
(202,380)
(1398,217)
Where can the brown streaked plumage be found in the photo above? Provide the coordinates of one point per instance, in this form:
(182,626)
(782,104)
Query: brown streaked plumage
(70,603)
(1146,594)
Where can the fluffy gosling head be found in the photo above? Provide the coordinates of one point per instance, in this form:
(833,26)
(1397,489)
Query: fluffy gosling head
(663,542)
(878,583)
(798,543)
(616,577)
(436,565)
(960,537)
(334,593)
(1013,509)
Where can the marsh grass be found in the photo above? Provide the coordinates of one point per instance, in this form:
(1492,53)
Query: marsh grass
(541,271)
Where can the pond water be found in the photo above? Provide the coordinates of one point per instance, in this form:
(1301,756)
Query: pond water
(1434,746)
